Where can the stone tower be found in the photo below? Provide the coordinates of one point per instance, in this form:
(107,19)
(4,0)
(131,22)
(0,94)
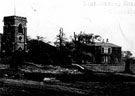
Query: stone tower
(14,35)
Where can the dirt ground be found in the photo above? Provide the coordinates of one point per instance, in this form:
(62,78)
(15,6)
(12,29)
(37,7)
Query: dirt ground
(36,80)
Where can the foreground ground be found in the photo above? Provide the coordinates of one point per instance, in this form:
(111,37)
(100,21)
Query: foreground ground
(35,80)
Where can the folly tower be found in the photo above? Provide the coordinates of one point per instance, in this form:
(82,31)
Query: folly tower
(14,34)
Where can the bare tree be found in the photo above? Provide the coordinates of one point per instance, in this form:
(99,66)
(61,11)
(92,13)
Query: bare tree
(87,38)
(61,39)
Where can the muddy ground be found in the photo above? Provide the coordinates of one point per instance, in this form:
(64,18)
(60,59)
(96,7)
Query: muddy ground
(38,80)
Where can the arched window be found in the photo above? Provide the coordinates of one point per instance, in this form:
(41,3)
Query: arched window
(20,29)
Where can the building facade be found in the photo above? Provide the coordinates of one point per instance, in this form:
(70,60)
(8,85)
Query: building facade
(107,53)
(101,53)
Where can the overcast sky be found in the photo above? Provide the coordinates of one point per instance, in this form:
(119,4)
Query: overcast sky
(113,19)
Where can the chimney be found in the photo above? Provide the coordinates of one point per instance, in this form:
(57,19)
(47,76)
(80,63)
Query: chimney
(103,41)
(107,40)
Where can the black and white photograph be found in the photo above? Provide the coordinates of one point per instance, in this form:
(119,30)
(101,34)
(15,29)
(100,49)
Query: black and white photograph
(67,48)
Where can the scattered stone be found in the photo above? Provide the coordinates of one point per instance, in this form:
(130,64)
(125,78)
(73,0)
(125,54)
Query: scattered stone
(5,75)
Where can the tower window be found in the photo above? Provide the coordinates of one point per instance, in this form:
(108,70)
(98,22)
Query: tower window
(20,29)
(8,28)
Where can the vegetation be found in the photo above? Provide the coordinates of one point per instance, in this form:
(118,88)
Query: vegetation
(127,57)
(42,52)
(65,51)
